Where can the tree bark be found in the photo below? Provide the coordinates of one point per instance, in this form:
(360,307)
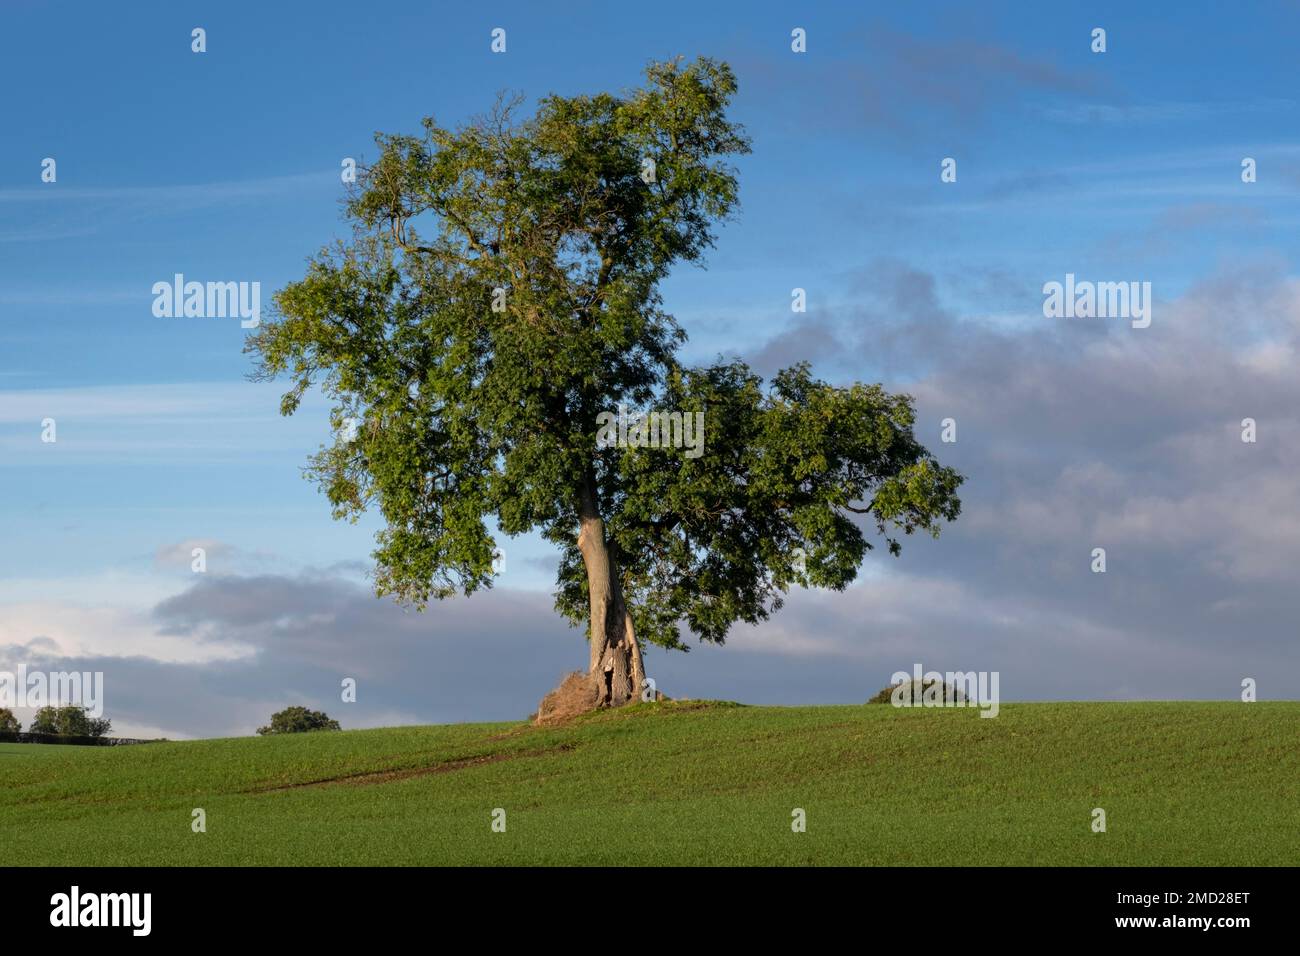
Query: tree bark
(615,657)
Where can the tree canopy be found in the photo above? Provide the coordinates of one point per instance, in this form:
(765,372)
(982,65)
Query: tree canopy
(499,292)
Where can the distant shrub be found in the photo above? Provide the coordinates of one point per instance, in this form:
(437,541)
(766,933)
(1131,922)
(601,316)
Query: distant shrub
(8,722)
(69,721)
(910,692)
(298,720)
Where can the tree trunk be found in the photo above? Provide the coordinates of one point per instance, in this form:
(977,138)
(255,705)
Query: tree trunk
(615,657)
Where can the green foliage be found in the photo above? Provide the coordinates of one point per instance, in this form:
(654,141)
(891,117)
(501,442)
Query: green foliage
(785,471)
(298,720)
(69,721)
(475,421)
(913,693)
(46,721)
(8,722)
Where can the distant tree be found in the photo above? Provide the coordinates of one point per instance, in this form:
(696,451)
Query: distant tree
(298,720)
(46,721)
(8,722)
(912,693)
(71,720)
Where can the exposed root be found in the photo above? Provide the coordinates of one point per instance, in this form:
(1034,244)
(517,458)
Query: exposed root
(577,694)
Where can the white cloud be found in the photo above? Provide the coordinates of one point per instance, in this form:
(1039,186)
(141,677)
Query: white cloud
(104,630)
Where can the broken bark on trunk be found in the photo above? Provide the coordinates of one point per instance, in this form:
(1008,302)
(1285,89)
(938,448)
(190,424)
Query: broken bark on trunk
(615,657)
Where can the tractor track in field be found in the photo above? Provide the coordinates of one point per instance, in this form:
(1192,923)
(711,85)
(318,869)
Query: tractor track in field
(367,777)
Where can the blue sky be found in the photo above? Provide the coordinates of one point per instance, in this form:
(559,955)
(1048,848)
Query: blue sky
(1116,166)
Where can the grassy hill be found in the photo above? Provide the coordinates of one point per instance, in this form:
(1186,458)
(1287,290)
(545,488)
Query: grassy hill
(688,783)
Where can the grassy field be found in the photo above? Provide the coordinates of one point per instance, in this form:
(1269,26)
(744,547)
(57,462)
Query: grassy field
(688,783)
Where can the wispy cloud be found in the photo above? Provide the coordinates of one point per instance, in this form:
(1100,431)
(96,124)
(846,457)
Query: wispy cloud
(179,196)
(68,211)
(1116,114)
(178,425)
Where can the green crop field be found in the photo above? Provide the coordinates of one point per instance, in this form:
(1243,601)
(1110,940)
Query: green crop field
(689,783)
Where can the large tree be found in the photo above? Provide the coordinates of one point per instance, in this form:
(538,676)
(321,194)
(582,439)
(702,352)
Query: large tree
(499,293)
